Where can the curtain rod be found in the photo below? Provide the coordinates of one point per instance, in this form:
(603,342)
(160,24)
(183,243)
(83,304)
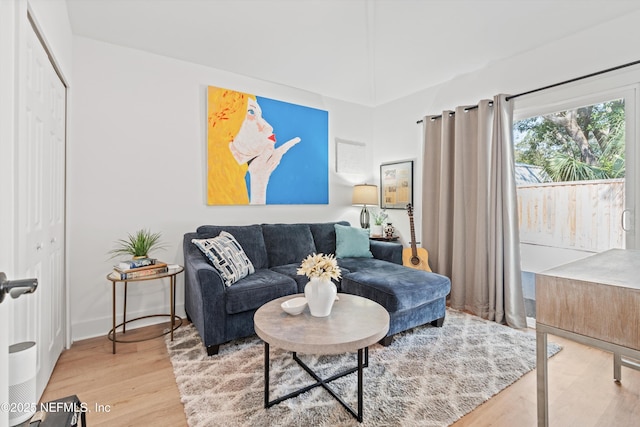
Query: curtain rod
(453,113)
(575,79)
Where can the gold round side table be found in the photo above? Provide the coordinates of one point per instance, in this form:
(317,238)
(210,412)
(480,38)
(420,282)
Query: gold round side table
(176,321)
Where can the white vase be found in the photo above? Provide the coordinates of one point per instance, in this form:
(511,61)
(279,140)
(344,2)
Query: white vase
(320,295)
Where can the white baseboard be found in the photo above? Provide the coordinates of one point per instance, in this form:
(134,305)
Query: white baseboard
(100,326)
(531,322)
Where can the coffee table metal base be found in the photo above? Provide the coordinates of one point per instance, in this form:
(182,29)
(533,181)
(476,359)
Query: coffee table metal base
(363,362)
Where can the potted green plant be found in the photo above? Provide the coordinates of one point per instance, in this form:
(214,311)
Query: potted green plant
(378,219)
(138,245)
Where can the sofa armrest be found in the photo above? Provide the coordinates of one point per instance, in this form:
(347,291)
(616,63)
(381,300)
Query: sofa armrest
(204,292)
(199,268)
(205,275)
(386,251)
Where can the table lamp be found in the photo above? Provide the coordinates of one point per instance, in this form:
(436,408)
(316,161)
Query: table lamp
(363,195)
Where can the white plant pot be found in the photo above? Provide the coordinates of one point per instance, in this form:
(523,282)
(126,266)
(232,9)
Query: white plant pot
(320,295)
(376,231)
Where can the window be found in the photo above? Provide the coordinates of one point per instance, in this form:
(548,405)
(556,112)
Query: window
(575,166)
(571,167)
(585,143)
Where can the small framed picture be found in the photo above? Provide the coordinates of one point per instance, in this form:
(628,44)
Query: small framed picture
(396,184)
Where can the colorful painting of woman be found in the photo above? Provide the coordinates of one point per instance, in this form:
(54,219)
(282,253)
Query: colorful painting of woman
(242,149)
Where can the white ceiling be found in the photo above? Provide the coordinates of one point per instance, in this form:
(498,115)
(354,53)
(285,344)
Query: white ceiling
(363,51)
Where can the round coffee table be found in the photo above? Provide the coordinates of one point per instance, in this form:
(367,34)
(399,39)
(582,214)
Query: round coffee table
(354,324)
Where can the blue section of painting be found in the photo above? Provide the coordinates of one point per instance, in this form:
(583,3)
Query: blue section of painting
(303,174)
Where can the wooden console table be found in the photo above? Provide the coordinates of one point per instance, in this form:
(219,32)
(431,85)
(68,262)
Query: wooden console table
(594,301)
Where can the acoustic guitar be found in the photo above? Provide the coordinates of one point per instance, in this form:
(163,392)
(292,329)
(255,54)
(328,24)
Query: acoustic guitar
(415,257)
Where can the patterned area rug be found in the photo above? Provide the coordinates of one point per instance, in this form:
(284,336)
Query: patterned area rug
(427,377)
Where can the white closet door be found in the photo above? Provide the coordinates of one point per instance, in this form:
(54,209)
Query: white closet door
(7,177)
(41,214)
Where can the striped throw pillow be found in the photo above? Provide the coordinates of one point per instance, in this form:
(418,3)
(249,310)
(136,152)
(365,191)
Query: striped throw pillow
(227,256)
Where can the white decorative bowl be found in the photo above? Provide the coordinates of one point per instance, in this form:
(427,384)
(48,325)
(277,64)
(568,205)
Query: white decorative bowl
(294,306)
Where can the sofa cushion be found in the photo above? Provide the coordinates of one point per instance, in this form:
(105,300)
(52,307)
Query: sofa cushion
(251,292)
(398,288)
(324,236)
(249,236)
(227,256)
(290,270)
(368,264)
(352,242)
(287,243)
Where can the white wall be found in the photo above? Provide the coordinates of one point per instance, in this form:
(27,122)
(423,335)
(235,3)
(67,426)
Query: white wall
(137,158)
(397,136)
(138,122)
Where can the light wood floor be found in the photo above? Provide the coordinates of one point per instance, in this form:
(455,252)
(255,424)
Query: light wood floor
(137,387)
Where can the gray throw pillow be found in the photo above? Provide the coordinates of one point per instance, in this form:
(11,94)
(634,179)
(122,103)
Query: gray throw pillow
(227,256)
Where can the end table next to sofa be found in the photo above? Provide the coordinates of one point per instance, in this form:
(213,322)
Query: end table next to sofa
(176,321)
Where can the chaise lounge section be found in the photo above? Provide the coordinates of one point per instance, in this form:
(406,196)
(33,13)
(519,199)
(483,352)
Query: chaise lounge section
(223,313)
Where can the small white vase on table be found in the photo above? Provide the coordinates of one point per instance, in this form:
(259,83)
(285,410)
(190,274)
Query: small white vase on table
(320,292)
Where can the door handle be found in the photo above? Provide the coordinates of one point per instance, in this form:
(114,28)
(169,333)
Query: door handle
(16,288)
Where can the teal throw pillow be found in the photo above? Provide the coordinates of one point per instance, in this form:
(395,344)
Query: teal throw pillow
(352,242)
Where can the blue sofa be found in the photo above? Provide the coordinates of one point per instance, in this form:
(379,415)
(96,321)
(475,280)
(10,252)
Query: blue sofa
(221,313)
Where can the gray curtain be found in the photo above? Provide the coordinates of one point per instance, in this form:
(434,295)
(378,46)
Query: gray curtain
(469,209)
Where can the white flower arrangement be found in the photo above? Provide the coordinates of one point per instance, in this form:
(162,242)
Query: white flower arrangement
(321,266)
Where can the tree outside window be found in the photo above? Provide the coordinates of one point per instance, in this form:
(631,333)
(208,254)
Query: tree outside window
(586,143)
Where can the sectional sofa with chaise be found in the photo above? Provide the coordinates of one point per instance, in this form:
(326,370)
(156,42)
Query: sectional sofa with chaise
(222,309)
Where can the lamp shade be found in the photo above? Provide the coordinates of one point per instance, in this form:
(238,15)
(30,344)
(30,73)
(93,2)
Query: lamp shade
(365,194)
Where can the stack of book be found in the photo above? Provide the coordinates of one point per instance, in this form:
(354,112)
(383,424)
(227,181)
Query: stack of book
(137,268)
